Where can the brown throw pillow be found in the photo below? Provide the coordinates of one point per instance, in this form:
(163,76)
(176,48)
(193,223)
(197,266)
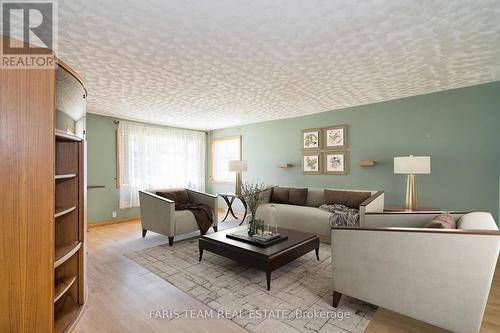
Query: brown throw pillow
(297,196)
(170,195)
(280,195)
(178,196)
(442,221)
(182,197)
(349,199)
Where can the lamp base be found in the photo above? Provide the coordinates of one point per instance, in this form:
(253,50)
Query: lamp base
(237,189)
(411,192)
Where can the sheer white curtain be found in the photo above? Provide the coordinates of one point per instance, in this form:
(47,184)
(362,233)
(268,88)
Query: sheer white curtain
(159,157)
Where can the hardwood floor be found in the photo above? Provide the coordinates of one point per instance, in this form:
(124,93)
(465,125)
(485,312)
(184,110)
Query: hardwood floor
(122,293)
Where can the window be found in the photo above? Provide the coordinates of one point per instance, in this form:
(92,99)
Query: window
(224,150)
(152,157)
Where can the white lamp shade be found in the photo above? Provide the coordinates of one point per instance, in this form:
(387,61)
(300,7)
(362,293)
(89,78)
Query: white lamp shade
(237,166)
(412,165)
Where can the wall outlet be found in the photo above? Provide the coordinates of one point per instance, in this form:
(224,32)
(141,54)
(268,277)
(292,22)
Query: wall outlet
(113,214)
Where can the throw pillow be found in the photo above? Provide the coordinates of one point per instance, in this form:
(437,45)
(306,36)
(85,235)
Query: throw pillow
(442,221)
(178,196)
(349,199)
(280,195)
(182,197)
(297,196)
(170,195)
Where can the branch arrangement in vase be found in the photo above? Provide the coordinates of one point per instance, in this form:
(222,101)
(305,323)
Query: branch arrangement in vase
(253,193)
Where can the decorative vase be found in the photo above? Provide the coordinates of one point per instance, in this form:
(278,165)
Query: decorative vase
(252,221)
(272,220)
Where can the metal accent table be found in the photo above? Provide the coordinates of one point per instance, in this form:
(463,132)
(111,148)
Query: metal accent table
(229,199)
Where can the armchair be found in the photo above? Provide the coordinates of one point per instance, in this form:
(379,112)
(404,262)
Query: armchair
(158,214)
(439,276)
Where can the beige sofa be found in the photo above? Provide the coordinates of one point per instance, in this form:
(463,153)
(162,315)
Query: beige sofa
(158,214)
(439,276)
(310,218)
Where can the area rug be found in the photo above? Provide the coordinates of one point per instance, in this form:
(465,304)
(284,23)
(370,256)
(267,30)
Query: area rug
(299,301)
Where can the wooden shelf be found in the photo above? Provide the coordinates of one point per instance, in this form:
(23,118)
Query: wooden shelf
(65,252)
(62,286)
(66,315)
(65,176)
(60,211)
(62,136)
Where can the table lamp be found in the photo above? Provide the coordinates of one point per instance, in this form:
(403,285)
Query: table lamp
(411,166)
(238,167)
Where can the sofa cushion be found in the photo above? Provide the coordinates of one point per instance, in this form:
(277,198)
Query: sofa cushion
(297,196)
(315,196)
(349,199)
(303,218)
(280,195)
(442,221)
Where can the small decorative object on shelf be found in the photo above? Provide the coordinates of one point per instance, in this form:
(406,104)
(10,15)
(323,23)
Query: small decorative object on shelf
(365,163)
(253,195)
(285,165)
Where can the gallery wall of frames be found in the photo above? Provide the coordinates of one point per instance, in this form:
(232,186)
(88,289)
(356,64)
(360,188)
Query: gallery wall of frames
(324,151)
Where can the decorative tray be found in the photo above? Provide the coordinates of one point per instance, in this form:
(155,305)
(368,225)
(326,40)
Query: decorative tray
(257,239)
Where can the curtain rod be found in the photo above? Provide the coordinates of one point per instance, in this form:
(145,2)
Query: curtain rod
(117,122)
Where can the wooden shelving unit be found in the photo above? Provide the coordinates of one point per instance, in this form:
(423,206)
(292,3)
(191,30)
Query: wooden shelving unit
(61,211)
(43,248)
(67,176)
(65,252)
(62,286)
(70,290)
(65,314)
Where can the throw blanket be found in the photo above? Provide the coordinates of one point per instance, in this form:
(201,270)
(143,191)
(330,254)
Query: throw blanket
(202,214)
(342,215)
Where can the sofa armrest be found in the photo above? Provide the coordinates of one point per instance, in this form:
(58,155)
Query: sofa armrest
(157,213)
(441,277)
(375,203)
(403,219)
(205,198)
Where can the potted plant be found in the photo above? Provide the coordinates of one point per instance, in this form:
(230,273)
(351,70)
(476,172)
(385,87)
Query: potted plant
(253,193)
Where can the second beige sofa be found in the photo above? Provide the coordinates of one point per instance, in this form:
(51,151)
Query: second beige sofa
(309,218)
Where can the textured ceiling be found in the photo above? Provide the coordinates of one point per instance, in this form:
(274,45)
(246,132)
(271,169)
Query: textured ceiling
(212,64)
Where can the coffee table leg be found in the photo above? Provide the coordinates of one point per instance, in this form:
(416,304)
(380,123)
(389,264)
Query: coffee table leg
(201,253)
(317,253)
(268,277)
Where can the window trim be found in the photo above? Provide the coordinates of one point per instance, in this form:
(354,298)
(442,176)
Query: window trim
(212,142)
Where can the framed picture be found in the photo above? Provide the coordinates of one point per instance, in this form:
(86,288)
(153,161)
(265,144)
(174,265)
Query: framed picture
(335,137)
(311,139)
(336,163)
(311,164)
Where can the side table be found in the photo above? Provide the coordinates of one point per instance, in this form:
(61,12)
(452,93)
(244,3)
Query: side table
(229,199)
(402,209)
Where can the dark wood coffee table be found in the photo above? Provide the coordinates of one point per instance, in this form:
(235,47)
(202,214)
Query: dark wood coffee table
(267,259)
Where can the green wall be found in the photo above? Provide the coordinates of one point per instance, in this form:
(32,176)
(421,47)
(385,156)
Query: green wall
(101,165)
(458,128)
